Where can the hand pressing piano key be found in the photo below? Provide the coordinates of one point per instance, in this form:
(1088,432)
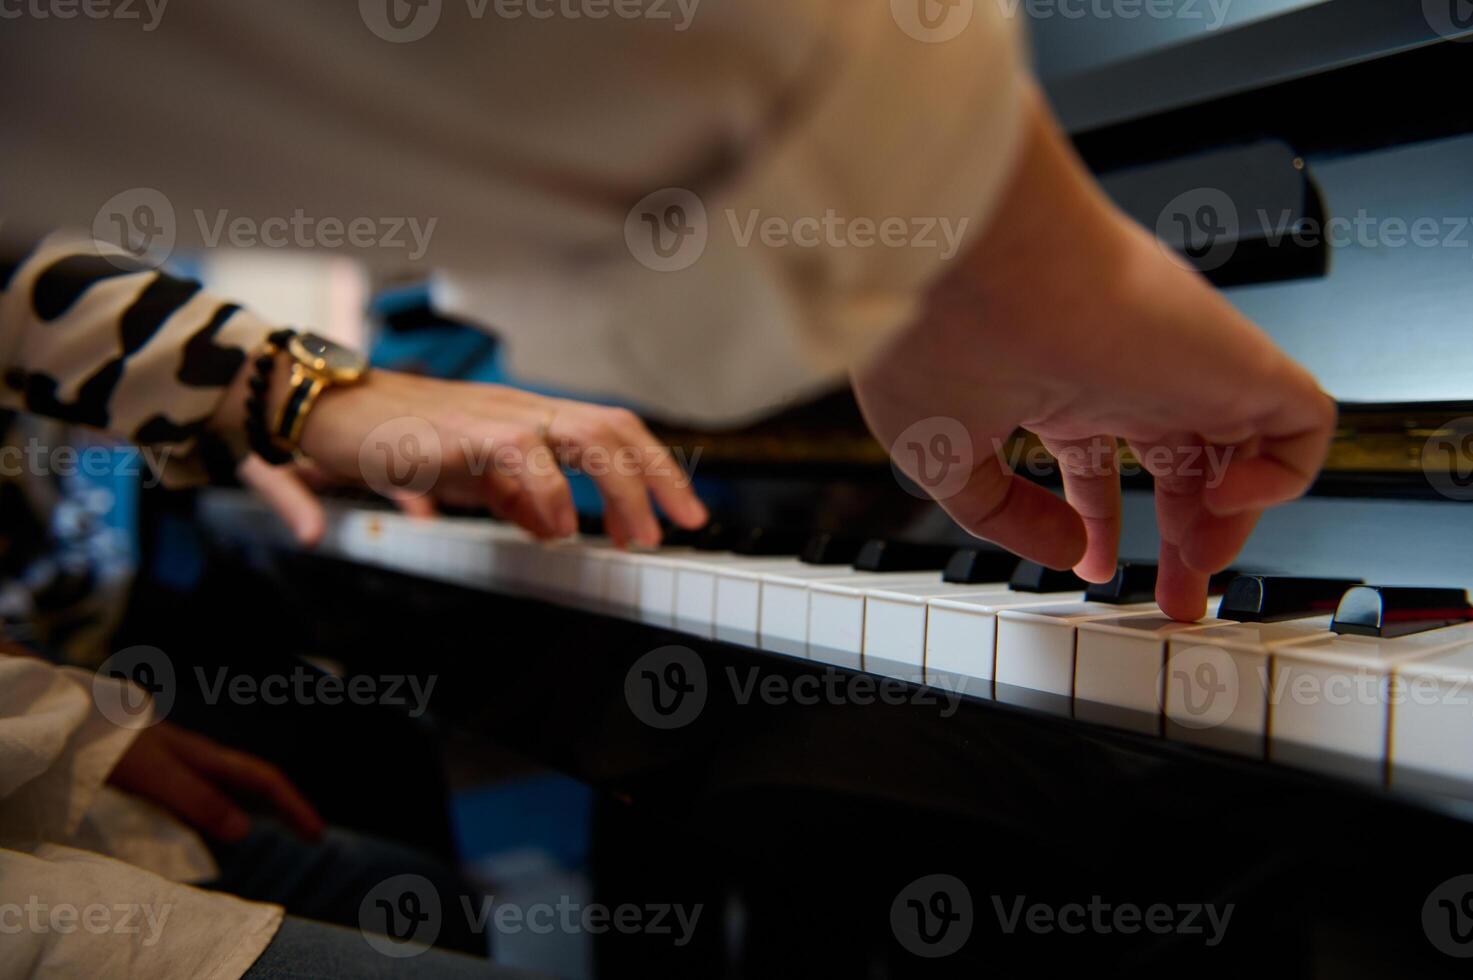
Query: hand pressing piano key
(1120,674)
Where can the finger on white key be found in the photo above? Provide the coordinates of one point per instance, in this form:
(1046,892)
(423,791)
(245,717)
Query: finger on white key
(1092,487)
(286,494)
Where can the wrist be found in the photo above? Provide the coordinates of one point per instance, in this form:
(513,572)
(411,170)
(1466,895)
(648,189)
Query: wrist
(277,392)
(345,416)
(228,423)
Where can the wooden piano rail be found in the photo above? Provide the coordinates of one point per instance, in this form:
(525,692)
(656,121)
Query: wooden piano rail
(1411,440)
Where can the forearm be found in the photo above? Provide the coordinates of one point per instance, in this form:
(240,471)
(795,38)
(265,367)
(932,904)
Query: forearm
(90,337)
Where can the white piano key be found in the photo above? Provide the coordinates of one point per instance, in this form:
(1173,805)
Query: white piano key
(591,590)
(1118,669)
(1035,650)
(561,570)
(656,601)
(439,554)
(961,631)
(621,589)
(1329,704)
(513,558)
(1216,681)
(695,589)
(895,620)
(836,611)
(539,572)
(1432,722)
(783,604)
(362,537)
(738,606)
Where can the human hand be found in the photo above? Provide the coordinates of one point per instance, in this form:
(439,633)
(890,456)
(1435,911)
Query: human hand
(470,444)
(195,779)
(291,491)
(1068,320)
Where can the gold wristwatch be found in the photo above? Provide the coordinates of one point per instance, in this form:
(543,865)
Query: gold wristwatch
(317,364)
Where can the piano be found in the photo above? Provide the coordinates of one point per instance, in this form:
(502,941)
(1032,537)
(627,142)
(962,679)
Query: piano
(833,697)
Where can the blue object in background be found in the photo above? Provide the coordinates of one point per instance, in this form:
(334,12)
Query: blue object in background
(546,813)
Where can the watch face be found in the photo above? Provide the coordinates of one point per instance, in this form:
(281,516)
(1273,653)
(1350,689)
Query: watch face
(341,363)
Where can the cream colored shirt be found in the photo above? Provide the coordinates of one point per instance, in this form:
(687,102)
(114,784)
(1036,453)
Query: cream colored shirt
(843,152)
(90,879)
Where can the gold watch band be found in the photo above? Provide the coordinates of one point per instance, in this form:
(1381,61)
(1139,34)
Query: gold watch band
(304,388)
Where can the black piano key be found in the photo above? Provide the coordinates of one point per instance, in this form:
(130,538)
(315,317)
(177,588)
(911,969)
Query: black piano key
(1134,581)
(674,536)
(717,535)
(1389,611)
(879,555)
(1274,598)
(1218,582)
(1033,577)
(591,525)
(969,566)
(828,548)
(762,541)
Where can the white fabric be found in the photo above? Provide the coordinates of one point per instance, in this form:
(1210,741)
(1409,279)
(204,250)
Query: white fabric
(527,142)
(69,904)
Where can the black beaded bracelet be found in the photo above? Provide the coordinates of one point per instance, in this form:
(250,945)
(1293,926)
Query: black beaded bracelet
(258,435)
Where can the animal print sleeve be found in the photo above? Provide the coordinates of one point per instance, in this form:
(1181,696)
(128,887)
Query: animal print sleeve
(90,336)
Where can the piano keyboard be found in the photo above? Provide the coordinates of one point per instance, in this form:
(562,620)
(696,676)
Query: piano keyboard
(1384,693)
